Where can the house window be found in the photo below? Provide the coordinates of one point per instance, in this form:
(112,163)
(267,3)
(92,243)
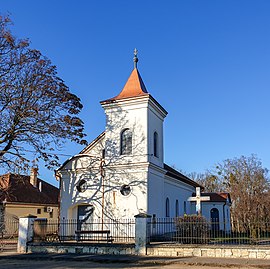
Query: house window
(126,142)
(155,144)
(167,207)
(39,211)
(176,208)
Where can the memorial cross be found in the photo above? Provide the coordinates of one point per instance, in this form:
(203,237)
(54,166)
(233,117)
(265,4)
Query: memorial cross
(198,199)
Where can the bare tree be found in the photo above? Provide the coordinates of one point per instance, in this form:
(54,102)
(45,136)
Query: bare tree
(37,110)
(248,183)
(207,180)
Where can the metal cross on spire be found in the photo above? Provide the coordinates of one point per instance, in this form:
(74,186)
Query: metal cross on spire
(135,59)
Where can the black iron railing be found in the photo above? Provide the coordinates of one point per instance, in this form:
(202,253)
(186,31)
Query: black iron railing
(9,228)
(201,231)
(108,230)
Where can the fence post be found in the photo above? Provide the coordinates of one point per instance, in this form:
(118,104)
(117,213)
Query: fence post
(25,232)
(142,226)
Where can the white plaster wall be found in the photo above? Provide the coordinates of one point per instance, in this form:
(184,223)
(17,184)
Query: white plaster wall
(177,190)
(96,148)
(156,193)
(115,204)
(143,119)
(227,217)
(155,125)
(120,206)
(206,209)
(122,115)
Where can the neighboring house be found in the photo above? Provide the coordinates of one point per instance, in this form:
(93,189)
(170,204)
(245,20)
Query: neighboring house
(217,209)
(22,195)
(122,172)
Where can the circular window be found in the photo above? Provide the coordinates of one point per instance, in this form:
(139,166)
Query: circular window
(125,190)
(81,187)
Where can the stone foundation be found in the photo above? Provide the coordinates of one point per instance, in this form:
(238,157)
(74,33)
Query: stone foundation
(113,249)
(248,252)
(209,251)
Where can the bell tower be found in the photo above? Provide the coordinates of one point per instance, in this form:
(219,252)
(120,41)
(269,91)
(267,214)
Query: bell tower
(134,124)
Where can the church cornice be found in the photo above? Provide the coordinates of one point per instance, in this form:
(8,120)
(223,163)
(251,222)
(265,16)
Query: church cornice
(147,99)
(125,101)
(157,168)
(157,106)
(137,165)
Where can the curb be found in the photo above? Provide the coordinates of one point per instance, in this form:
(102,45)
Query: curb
(139,260)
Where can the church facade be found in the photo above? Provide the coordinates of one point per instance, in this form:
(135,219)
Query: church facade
(122,172)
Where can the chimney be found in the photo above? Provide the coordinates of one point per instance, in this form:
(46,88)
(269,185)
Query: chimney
(40,186)
(33,176)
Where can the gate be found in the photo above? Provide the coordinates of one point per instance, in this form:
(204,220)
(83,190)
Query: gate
(9,229)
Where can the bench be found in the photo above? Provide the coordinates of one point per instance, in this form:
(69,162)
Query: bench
(105,235)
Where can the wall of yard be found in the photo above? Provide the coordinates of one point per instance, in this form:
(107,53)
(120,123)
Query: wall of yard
(248,252)
(115,249)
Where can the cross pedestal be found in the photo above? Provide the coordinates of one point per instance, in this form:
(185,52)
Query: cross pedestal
(198,199)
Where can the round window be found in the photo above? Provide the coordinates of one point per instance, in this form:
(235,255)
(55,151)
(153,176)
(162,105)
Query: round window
(81,187)
(125,190)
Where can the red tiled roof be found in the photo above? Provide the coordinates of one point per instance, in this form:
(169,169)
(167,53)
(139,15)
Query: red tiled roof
(134,87)
(17,188)
(216,197)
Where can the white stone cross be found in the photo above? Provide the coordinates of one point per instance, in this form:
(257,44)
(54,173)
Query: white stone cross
(198,200)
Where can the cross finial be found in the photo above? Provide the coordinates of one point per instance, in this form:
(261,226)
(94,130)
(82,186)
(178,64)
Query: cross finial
(135,59)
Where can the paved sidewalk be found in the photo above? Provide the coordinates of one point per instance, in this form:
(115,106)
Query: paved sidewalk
(142,260)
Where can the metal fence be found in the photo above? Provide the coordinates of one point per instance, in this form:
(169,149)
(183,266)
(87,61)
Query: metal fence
(107,231)
(172,230)
(9,229)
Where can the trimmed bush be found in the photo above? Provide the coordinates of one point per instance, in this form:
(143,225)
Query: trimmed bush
(192,229)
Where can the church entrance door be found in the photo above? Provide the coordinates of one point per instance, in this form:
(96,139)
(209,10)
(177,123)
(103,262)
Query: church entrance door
(215,219)
(85,219)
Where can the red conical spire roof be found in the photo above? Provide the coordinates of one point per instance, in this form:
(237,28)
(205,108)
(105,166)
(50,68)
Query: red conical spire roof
(134,86)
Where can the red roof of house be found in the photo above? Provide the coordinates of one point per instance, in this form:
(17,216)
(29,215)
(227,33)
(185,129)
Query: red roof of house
(18,189)
(216,196)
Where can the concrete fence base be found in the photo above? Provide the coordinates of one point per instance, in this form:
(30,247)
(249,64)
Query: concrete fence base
(161,250)
(81,248)
(248,252)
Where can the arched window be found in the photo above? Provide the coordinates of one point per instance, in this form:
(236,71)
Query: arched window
(176,208)
(185,207)
(167,207)
(155,144)
(126,142)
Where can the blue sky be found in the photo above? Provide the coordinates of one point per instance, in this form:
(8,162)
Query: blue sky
(206,62)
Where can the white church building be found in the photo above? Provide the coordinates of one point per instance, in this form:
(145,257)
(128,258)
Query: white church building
(122,172)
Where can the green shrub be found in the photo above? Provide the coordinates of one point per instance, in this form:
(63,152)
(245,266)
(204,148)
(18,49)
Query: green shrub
(192,229)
